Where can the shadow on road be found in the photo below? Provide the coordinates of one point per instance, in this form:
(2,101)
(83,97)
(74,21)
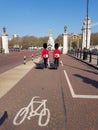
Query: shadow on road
(89,71)
(39,65)
(88,80)
(4,117)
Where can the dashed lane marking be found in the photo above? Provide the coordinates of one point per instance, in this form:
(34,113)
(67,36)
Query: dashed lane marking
(77,95)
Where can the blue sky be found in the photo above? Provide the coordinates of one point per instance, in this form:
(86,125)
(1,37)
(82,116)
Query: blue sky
(37,17)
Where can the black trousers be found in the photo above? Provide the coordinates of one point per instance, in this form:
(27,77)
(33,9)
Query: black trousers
(56,61)
(45,62)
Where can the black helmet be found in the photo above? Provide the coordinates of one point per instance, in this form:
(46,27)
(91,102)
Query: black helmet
(56,45)
(45,45)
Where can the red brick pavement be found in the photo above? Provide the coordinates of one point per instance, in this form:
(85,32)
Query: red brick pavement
(67,112)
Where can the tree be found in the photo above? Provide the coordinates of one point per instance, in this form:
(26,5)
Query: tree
(42,40)
(94,39)
(28,41)
(59,39)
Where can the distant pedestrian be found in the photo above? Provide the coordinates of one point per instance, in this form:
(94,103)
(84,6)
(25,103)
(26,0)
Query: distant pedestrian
(56,54)
(45,54)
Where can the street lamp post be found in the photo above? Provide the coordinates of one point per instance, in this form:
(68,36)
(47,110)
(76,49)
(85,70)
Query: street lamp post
(87,23)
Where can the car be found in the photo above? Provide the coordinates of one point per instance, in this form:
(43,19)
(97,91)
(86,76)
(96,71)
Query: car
(94,51)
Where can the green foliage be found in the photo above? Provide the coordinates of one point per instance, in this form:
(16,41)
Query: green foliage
(59,40)
(28,41)
(74,45)
(94,39)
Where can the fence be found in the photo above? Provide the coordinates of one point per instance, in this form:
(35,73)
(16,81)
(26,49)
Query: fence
(86,56)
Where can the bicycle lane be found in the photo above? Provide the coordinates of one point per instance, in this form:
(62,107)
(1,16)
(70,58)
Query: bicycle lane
(80,94)
(46,84)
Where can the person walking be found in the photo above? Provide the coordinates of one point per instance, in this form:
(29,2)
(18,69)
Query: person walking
(56,54)
(45,54)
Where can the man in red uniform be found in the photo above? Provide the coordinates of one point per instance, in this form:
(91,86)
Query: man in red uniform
(56,54)
(45,54)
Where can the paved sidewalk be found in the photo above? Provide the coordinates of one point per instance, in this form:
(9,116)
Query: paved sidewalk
(92,64)
(10,78)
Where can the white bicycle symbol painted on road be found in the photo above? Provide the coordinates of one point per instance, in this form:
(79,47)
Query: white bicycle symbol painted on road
(29,111)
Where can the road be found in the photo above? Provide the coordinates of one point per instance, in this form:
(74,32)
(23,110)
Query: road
(15,58)
(62,99)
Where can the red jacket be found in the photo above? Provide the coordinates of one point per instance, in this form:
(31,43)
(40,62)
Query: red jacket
(45,53)
(56,53)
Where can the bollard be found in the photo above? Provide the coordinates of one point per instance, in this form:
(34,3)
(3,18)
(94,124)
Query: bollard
(80,53)
(77,53)
(85,54)
(90,56)
(32,57)
(24,60)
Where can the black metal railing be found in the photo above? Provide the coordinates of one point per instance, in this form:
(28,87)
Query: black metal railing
(84,55)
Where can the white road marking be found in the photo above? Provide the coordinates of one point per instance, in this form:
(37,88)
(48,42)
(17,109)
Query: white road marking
(77,95)
(61,63)
(31,111)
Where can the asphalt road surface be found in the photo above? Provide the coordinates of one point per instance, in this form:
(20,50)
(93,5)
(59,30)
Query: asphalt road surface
(48,99)
(16,58)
